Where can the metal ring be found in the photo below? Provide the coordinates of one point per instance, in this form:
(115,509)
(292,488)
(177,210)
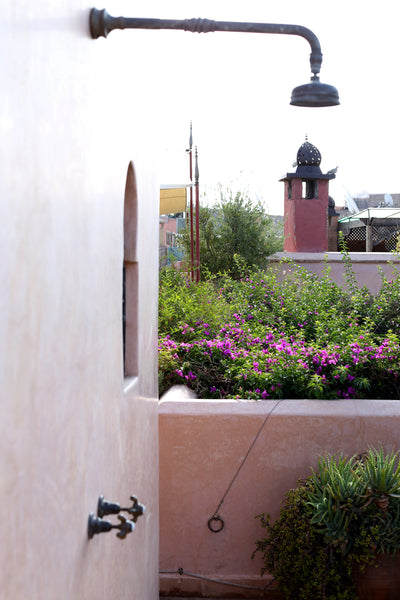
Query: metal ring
(218,520)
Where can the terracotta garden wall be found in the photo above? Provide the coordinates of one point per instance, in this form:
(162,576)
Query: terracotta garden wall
(203,443)
(364,264)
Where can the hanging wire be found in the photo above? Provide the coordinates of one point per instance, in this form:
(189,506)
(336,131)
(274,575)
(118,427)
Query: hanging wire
(215,517)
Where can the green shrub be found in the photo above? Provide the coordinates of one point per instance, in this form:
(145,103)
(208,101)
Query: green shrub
(268,335)
(305,567)
(234,226)
(342,517)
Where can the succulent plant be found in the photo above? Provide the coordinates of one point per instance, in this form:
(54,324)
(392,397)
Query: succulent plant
(346,513)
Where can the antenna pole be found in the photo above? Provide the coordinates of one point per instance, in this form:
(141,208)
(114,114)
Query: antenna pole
(191,204)
(196,179)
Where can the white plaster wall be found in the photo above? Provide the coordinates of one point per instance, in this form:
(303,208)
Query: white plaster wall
(70,122)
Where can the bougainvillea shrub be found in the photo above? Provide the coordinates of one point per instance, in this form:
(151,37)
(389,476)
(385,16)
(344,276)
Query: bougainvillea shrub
(273,336)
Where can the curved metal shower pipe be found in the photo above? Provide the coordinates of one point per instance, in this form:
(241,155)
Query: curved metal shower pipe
(101,24)
(311,94)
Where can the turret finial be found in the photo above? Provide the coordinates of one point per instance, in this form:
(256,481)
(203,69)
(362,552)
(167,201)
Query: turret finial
(196,166)
(190,137)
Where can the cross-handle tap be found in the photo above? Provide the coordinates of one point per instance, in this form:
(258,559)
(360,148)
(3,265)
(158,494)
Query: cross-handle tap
(97,525)
(113,508)
(125,527)
(136,510)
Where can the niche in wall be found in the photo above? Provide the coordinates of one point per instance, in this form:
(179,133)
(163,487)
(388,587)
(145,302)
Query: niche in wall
(130,296)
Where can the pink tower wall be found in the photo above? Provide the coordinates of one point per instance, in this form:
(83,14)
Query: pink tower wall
(305,227)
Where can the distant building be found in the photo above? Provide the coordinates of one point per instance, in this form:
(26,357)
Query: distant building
(170,226)
(369,223)
(310,220)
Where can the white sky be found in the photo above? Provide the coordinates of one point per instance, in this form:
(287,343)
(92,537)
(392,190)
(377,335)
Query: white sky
(236,89)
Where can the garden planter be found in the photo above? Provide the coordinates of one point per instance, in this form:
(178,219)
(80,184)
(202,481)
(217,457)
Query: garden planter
(380,581)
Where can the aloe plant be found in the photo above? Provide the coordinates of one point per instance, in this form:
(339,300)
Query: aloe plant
(348,492)
(381,474)
(346,513)
(338,496)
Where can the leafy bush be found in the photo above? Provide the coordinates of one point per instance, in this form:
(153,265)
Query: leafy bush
(305,567)
(336,522)
(183,305)
(234,226)
(272,336)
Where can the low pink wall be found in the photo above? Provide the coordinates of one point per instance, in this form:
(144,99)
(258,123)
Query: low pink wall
(364,264)
(202,445)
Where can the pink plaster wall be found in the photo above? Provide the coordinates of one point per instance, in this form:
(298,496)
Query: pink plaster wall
(167,224)
(202,445)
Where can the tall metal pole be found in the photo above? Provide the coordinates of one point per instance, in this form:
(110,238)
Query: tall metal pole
(191,205)
(196,180)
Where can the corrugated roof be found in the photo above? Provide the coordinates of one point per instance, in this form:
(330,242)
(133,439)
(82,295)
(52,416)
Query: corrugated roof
(384,212)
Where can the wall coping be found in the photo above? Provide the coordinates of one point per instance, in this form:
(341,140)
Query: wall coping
(333,257)
(172,404)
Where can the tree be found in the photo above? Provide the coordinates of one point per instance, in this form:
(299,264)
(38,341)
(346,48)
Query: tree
(233,231)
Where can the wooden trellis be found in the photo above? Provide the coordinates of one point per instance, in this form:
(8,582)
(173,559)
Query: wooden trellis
(385,234)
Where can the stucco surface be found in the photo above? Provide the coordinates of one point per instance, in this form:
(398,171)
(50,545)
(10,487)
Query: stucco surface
(70,124)
(367,266)
(305,222)
(202,446)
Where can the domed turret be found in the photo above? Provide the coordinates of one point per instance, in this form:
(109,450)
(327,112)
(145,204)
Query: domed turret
(308,161)
(308,154)
(310,218)
(331,207)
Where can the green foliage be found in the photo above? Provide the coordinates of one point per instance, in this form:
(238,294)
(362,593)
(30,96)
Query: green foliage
(234,226)
(188,311)
(293,551)
(183,304)
(380,474)
(268,335)
(386,304)
(345,514)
